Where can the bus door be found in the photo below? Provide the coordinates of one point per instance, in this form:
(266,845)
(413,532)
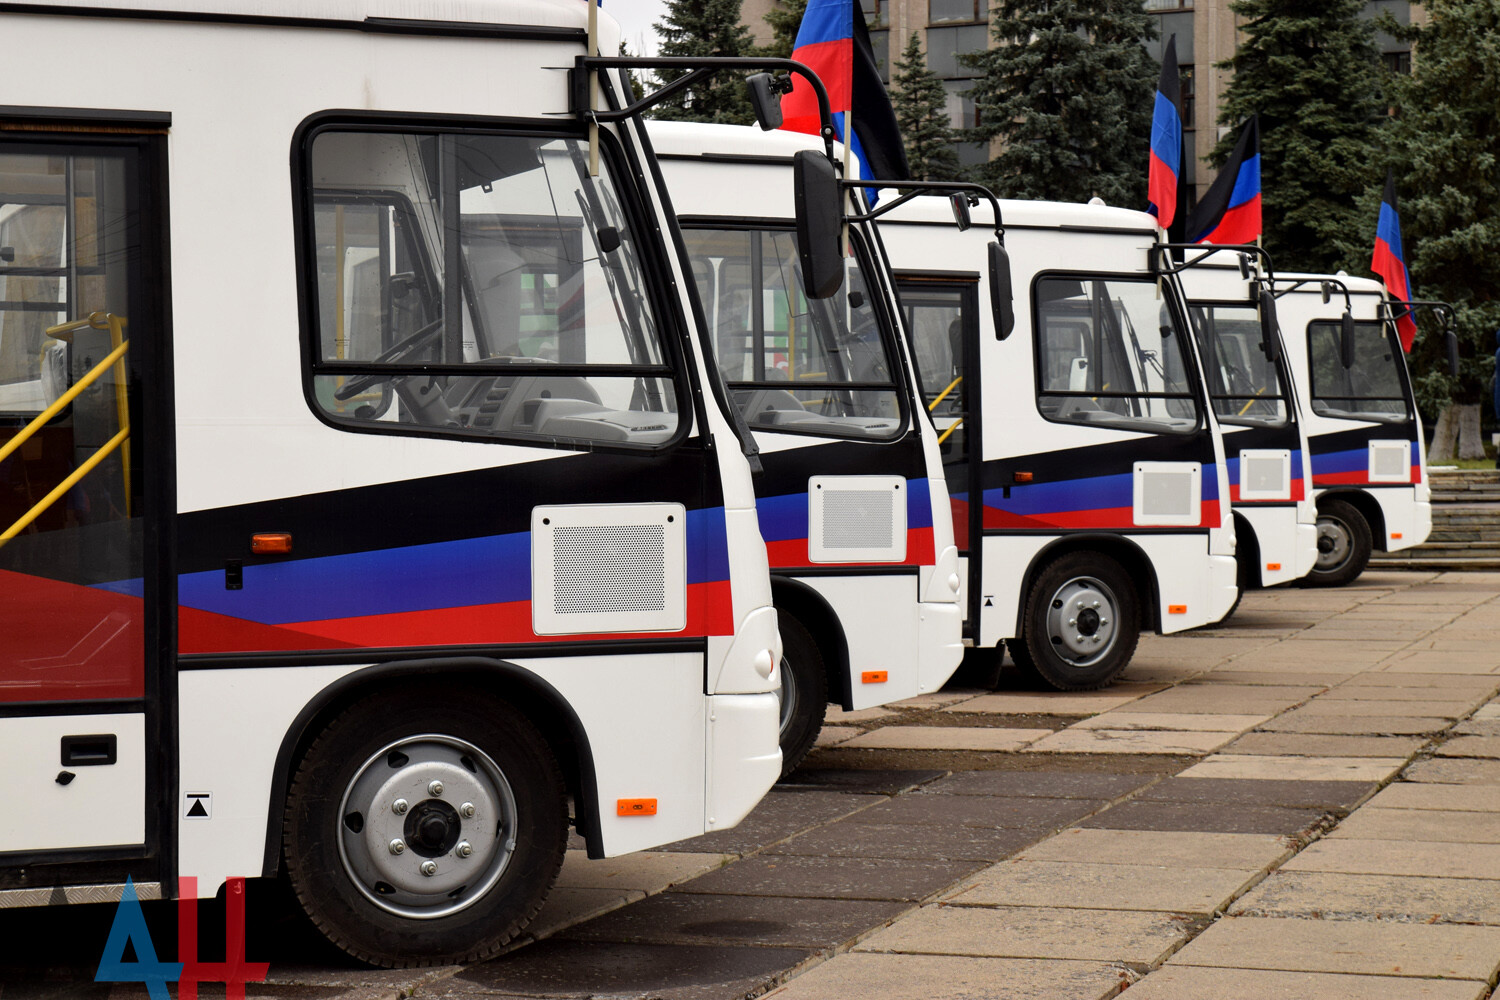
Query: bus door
(942,320)
(82,635)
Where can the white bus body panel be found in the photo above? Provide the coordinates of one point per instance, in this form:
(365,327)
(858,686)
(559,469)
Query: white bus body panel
(97,807)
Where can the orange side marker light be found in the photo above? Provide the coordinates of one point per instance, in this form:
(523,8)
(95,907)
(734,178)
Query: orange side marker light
(1395,535)
(1023,477)
(874,677)
(635,807)
(1273,567)
(1176,609)
(271,543)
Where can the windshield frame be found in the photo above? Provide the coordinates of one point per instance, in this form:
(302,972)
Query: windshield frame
(1398,359)
(1287,395)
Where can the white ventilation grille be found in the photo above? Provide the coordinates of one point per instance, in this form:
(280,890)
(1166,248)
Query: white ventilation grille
(609,568)
(1167,494)
(856,519)
(1265,475)
(1390,461)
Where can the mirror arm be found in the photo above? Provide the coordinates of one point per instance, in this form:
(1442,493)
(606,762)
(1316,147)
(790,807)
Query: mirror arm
(1208,250)
(914,188)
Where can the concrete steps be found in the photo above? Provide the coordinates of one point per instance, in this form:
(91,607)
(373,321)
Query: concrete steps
(1465,524)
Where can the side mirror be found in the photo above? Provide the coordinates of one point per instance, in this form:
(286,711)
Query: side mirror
(1244,262)
(961,216)
(765,99)
(1270,334)
(1452,352)
(1002,301)
(1346,340)
(1327,292)
(820,222)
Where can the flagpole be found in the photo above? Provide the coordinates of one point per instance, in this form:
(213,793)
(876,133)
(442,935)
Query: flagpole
(593,50)
(847,249)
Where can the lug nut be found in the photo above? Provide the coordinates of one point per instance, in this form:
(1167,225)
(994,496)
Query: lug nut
(400,806)
(398,846)
(1096,604)
(464,849)
(1103,621)
(429,868)
(435,789)
(466,810)
(1072,622)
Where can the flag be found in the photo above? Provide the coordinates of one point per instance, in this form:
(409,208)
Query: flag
(1230,210)
(1166,140)
(834,42)
(1390,259)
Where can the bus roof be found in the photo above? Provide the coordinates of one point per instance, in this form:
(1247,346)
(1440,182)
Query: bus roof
(1356,286)
(549,13)
(697,138)
(1031,214)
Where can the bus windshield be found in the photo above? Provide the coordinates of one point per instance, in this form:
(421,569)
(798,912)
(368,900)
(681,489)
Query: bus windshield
(1243,383)
(792,363)
(1369,390)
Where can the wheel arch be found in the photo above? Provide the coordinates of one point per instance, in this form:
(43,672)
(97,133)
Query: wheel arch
(558,724)
(1368,507)
(1246,550)
(1125,551)
(817,616)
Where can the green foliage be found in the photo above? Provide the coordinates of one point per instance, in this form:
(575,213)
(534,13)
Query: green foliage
(922,113)
(784,18)
(705,28)
(1068,92)
(1444,145)
(1312,73)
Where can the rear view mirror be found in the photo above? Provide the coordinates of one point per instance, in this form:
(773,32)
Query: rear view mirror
(819,223)
(765,99)
(961,216)
(1244,262)
(1327,292)
(1346,340)
(1452,352)
(1002,301)
(1270,334)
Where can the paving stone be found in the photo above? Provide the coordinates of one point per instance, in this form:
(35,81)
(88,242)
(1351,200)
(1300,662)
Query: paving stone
(1172,722)
(1412,795)
(1442,825)
(1041,784)
(646,871)
(1403,694)
(1428,662)
(1018,811)
(1443,951)
(1240,851)
(565,907)
(1359,725)
(860,780)
(1056,702)
(1317,745)
(830,736)
(779,815)
(1479,727)
(1081,885)
(940,842)
(1489,711)
(1471,746)
(586,968)
(945,738)
(1399,857)
(1289,668)
(1228,765)
(1241,675)
(1433,683)
(1208,817)
(689,918)
(1267,699)
(945,977)
(1341,896)
(1130,741)
(1320,795)
(1323,705)
(1455,771)
(1033,932)
(837,716)
(833,878)
(1198,983)
(929,702)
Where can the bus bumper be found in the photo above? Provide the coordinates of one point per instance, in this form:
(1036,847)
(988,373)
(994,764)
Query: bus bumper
(744,755)
(940,643)
(1223,585)
(1307,548)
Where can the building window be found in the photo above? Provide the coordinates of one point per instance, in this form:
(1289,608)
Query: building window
(941,11)
(876,12)
(1188,96)
(1397,62)
(945,45)
(880,41)
(1169,4)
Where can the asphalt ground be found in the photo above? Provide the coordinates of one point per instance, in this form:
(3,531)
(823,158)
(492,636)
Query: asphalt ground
(1304,802)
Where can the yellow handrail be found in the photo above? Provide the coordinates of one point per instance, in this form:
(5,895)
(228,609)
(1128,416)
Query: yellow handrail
(951,428)
(116,325)
(65,485)
(944,395)
(1247,406)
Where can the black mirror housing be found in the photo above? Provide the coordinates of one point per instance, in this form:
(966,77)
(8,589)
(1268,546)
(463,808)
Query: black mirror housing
(1346,340)
(1002,299)
(820,222)
(1270,332)
(1452,352)
(961,217)
(765,99)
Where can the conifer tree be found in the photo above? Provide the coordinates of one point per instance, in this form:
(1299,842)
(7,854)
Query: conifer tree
(705,28)
(1068,92)
(921,112)
(784,18)
(1312,73)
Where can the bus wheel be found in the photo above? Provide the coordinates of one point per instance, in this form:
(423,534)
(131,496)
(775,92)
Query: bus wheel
(425,832)
(1343,544)
(1081,623)
(804,692)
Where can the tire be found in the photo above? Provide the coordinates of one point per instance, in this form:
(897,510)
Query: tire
(1344,545)
(367,780)
(1060,650)
(804,692)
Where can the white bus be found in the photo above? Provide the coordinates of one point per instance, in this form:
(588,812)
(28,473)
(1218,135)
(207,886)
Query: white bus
(363,502)
(1090,491)
(851,495)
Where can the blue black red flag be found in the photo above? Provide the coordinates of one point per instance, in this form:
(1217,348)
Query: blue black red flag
(1166,141)
(1230,210)
(834,42)
(1390,259)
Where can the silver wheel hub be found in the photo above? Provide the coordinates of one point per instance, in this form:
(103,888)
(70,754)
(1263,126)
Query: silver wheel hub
(1334,544)
(788,697)
(427,826)
(1082,621)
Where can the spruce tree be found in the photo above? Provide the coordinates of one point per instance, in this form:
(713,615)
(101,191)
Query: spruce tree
(705,28)
(784,18)
(1312,73)
(1068,92)
(921,112)
(1444,145)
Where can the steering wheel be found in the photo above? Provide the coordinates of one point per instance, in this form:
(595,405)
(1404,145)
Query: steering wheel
(408,345)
